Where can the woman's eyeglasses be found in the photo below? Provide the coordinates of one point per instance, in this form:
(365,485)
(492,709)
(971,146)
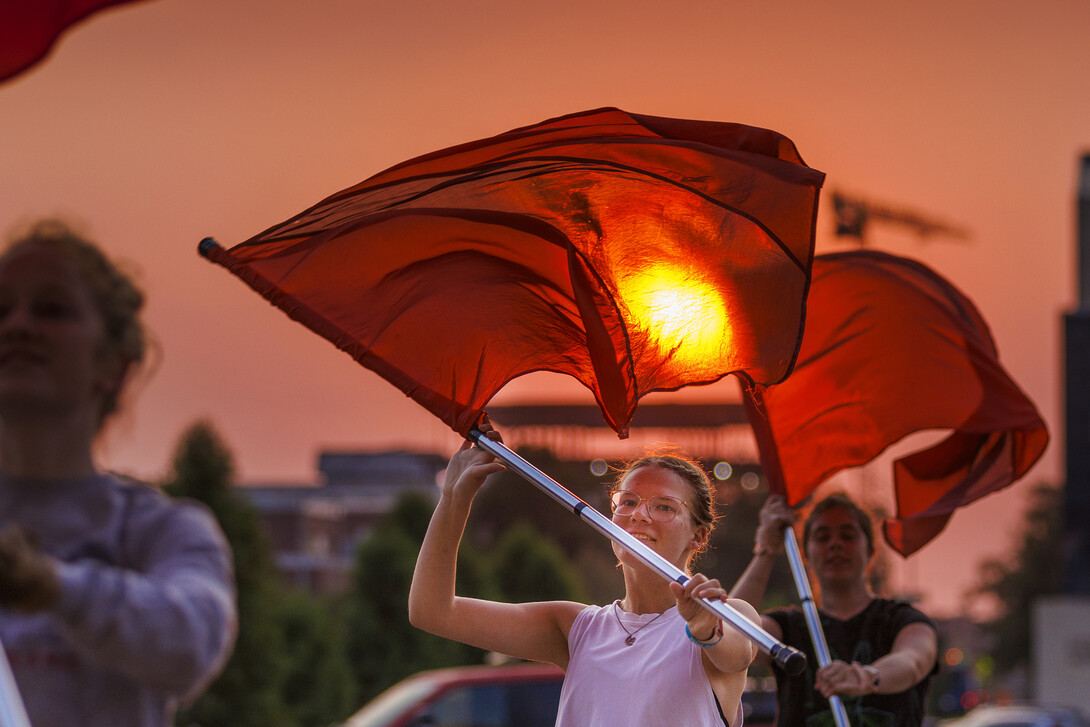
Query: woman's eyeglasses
(660,508)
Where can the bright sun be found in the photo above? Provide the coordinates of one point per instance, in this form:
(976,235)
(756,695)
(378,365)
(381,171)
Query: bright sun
(683,314)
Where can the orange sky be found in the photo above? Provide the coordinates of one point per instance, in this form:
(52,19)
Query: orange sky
(163,122)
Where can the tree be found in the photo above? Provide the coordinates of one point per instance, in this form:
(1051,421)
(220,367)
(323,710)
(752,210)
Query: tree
(318,688)
(1035,569)
(530,568)
(507,500)
(383,647)
(248,692)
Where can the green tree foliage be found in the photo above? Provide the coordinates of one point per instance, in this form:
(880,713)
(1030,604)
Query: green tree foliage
(249,690)
(507,501)
(318,688)
(383,647)
(410,515)
(529,568)
(1034,569)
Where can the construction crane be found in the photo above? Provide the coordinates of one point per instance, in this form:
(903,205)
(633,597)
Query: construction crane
(853,214)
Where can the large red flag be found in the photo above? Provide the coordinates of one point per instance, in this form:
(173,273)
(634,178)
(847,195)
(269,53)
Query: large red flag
(892,348)
(634,253)
(28,28)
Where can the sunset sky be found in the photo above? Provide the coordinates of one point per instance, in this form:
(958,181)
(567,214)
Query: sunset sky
(159,123)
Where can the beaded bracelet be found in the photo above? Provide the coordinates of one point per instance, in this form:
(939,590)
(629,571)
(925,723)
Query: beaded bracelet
(705,644)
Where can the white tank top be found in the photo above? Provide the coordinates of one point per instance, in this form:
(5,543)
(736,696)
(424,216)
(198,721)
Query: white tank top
(658,681)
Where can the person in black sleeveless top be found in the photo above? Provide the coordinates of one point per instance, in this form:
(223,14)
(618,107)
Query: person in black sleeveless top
(884,652)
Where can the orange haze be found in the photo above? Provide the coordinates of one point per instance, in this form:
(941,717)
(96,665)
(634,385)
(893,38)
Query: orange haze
(164,122)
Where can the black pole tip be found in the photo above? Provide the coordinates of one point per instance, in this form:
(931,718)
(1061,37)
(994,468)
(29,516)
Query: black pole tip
(790,660)
(206,245)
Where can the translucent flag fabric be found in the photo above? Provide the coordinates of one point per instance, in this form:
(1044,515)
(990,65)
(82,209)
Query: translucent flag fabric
(28,28)
(892,348)
(634,253)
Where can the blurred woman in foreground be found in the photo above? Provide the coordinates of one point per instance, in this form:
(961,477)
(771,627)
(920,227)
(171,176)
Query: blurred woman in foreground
(116,602)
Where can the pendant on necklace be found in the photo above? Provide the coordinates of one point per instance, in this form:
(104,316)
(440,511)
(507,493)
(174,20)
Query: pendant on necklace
(631,634)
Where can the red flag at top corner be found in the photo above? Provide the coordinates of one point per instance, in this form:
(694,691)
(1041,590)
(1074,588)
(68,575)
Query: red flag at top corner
(28,28)
(634,253)
(892,348)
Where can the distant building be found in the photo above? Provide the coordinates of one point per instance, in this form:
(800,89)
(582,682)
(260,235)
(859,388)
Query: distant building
(315,528)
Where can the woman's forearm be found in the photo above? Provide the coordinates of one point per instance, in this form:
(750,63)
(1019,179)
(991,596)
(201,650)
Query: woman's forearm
(431,595)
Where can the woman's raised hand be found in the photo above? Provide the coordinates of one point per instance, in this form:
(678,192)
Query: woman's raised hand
(470,466)
(774,519)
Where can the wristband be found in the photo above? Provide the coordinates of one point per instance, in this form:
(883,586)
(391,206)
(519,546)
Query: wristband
(706,644)
(875,677)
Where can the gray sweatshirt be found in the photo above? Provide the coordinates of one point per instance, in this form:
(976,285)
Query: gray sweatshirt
(146,617)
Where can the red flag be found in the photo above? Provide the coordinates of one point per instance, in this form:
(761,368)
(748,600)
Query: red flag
(634,253)
(892,348)
(28,28)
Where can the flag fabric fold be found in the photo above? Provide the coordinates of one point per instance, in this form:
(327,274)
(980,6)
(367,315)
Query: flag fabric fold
(29,28)
(892,348)
(634,253)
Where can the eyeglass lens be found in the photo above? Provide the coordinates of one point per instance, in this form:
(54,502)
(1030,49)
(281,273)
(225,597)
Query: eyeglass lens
(660,508)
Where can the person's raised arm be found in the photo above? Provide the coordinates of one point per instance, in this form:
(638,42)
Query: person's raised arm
(775,518)
(431,596)
(535,631)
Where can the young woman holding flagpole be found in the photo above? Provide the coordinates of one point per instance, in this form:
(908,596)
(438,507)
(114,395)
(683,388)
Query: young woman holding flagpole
(652,658)
(883,651)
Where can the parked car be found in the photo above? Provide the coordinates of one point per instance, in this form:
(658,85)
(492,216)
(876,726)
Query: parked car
(514,695)
(1018,715)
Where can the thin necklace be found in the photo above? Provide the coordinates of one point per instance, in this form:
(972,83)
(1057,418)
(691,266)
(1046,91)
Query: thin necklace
(632,634)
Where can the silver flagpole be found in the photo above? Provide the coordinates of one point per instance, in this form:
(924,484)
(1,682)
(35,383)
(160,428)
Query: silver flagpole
(813,621)
(788,658)
(12,710)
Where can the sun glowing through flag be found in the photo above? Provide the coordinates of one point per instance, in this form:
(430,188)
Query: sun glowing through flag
(633,253)
(684,316)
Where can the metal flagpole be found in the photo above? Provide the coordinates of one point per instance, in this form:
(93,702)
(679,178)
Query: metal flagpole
(788,658)
(12,710)
(813,621)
